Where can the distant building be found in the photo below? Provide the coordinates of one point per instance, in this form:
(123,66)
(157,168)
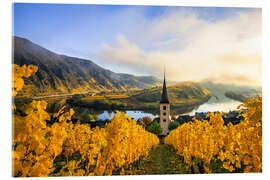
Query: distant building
(164,110)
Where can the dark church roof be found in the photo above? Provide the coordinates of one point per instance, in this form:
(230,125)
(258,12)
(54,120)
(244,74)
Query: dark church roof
(164,96)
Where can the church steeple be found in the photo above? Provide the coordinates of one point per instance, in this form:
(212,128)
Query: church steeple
(164,96)
(164,110)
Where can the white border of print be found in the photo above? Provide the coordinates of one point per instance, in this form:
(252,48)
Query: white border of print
(6,32)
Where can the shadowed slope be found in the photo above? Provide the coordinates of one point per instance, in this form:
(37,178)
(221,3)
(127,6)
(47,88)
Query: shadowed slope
(64,74)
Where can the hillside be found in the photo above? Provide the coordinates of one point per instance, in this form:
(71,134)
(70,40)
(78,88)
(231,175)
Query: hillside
(63,74)
(183,97)
(178,93)
(219,90)
(242,96)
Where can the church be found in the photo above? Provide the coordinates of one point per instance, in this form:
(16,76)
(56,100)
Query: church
(164,110)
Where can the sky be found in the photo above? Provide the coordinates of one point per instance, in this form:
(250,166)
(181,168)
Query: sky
(193,43)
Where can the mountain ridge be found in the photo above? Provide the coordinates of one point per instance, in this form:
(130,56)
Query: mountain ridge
(64,74)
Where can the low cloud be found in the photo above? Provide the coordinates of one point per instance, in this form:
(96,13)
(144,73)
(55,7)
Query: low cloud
(227,50)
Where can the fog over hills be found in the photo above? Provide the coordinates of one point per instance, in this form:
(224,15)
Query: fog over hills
(219,90)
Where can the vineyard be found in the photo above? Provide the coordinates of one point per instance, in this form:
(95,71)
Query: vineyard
(64,149)
(51,145)
(235,148)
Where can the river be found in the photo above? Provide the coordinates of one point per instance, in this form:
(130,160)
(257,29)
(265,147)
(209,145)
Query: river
(224,105)
(213,105)
(134,114)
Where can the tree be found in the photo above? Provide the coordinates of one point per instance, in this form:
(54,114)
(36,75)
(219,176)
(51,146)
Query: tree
(90,117)
(147,120)
(173,125)
(155,128)
(173,117)
(140,122)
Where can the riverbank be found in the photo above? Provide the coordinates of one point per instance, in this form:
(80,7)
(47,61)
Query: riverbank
(233,117)
(133,104)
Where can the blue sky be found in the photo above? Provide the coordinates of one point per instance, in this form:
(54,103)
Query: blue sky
(102,32)
(79,30)
(66,28)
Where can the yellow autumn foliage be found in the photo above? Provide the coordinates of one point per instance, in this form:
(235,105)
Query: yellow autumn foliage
(127,142)
(102,150)
(20,72)
(232,144)
(106,150)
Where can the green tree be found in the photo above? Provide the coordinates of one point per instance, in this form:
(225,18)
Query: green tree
(173,125)
(90,117)
(154,128)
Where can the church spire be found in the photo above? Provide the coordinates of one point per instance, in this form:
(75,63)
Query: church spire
(164,96)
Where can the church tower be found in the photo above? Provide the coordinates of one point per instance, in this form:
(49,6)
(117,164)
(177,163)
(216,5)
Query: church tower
(164,110)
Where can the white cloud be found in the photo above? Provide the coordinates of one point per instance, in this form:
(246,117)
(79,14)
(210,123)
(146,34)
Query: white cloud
(124,53)
(227,50)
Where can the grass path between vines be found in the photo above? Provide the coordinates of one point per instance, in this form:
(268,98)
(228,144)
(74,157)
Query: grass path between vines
(162,160)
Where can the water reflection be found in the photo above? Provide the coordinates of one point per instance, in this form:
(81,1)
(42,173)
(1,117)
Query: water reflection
(134,114)
(214,105)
